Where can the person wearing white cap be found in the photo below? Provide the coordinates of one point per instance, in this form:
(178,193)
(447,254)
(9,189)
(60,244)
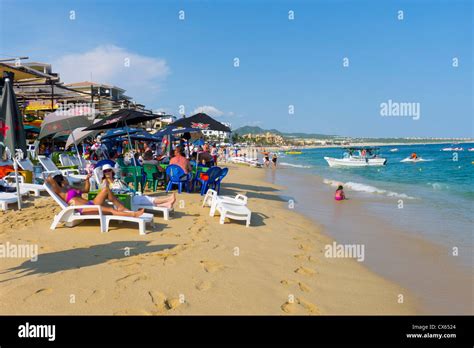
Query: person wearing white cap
(109,181)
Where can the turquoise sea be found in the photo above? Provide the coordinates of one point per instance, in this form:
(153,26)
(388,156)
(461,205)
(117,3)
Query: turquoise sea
(437,195)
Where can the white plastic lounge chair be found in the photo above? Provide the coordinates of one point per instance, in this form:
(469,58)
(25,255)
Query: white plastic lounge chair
(71,216)
(10,198)
(50,167)
(32,188)
(7,198)
(233,211)
(153,208)
(212,199)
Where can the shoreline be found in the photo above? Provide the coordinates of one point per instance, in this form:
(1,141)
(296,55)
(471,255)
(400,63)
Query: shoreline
(190,264)
(387,246)
(308,147)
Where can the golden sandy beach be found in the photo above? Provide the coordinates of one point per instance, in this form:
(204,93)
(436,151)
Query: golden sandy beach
(190,264)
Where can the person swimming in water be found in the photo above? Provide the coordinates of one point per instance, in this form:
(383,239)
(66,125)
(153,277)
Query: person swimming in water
(339,195)
(414,156)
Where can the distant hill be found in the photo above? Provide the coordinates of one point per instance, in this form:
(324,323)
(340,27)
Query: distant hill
(254,130)
(257,130)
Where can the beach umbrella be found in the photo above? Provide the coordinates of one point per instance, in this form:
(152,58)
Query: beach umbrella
(142,136)
(64,122)
(200,121)
(119,132)
(124,118)
(79,134)
(12,133)
(176,130)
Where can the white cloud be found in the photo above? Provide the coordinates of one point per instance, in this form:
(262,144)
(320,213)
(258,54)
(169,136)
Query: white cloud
(210,110)
(141,79)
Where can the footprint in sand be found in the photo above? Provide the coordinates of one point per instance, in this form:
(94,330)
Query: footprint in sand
(299,306)
(287,282)
(304,247)
(211,266)
(96,296)
(162,303)
(304,287)
(305,271)
(131,279)
(38,293)
(203,285)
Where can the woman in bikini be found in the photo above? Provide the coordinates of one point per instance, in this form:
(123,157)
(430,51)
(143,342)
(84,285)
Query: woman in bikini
(73,196)
(108,181)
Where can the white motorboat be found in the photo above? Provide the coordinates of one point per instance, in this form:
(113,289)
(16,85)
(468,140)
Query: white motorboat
(394,150)
(357,157)
(452,149)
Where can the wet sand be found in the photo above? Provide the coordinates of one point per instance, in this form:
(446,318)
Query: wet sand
(439,283)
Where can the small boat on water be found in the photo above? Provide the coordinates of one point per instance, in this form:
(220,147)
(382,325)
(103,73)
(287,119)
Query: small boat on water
(452,149)
(470,149)
(394,150)
(358,157)
(293,152)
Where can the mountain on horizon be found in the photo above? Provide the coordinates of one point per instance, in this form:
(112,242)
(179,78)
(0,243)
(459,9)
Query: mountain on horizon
(258,130)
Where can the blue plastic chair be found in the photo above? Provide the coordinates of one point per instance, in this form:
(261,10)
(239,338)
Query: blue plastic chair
(216,185)
(177,176)
(212,174)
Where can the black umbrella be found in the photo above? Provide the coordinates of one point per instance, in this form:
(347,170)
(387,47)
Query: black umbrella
(122,118)
(12,133)
(200,121)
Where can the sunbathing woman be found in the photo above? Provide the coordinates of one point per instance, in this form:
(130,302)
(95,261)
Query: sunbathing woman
(73,196)
(108,181)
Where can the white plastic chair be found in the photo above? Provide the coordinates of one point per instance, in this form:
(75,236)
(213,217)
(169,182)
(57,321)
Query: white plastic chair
(70,215)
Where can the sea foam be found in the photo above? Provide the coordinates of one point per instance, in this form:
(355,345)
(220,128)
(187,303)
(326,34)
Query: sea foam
(355,186)
(294,165)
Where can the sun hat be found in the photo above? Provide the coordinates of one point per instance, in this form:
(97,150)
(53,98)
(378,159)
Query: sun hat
(107,167)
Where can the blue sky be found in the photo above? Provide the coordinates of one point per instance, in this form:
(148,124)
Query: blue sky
(282,62)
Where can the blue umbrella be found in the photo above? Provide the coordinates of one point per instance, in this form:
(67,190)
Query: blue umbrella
(119,132)
(176,130)
(142,136)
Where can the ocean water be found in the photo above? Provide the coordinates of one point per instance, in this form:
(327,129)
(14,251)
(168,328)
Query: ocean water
(436,196)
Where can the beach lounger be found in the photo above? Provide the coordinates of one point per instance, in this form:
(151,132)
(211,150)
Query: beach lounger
(212,199)
(152,208)
(71,174)
(70,215)
(228,207)
(7,198)
(10,198)
(32,188)
(234,212)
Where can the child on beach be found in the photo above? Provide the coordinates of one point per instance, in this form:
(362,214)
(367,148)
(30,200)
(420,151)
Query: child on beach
(339,195)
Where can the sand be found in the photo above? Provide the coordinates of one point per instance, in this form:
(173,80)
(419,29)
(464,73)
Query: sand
(190,264)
